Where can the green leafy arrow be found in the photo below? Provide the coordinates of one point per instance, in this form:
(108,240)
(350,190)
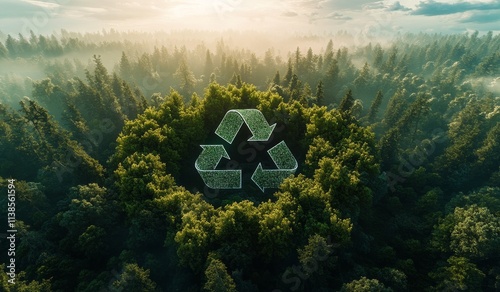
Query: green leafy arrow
(210,156)
(272,178)
(282,156)
(221,179)
(253,118)
(216,179)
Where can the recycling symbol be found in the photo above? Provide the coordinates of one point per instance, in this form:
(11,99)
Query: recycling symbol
(229,127)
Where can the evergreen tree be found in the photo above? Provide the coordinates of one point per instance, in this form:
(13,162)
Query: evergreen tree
(135,278)
(12,46)
(186,77)
(289,73)
(320,95)
(217,277)
(125,67)
(209,65)
(295,88)
(277,79)
(379,57)
(372,113)
(298,62)
(347,102)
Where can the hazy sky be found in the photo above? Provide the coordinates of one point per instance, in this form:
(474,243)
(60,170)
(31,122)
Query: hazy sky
(368,18)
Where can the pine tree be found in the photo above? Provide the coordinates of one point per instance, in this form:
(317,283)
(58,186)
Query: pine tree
(306,94)
(372,113)
(217,277)
(12,46)
(234,79)
(75,122)
(328,58)
(379,57)
(298,61)
(309,62)
(390,65)
(320,95)
(289,73)
(364,77)
(25,49)
(276,79)
(295,87)
(333,75)
(347,102)
(239,82)
(125,67)
(209,65)
(186,77)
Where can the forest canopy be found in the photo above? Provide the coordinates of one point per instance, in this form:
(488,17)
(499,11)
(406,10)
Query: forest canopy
(397,186)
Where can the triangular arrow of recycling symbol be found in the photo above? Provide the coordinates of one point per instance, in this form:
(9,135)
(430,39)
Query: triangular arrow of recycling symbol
(216,179)
(261,131)
(255,120)
(272,178)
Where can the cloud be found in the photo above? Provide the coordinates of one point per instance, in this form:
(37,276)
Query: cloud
(481,17)
(16,8)
(433,8)
(43,4)
(335,5)
(289,14)
(396,6)
(113,10)
(374,5)
(337,16)
(371,17)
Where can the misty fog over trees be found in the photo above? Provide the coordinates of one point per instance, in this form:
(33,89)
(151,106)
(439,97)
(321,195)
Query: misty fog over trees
(397,187)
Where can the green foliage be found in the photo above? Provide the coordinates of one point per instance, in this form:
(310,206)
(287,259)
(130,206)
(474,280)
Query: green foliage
(236,227)
(489,66)
(196,235)
(21,284)
(92,241)
(459,275)
(142,177)
(309,207)
(318,149)
(486,197)
(186,77)
(217,277)
(372,114)
(345,153)
(216,103)
(347,102)
(134,278)
(88,222)
(465,129)
(314,255)
(320,94)
(472,232)
(56,153)
(488,155)
(476,233)
(365,285)
(275,231)
(103,156)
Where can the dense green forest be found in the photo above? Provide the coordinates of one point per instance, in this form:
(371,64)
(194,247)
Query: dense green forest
(397,188)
